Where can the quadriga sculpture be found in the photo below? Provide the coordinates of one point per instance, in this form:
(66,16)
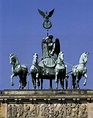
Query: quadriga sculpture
(18,70)
(80,70)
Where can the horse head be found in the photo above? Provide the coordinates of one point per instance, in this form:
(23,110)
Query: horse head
(83,58)
(13,59)
(34,67)
(35,59)
(60,57)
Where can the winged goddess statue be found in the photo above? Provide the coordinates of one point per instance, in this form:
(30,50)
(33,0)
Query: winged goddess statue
(47,23)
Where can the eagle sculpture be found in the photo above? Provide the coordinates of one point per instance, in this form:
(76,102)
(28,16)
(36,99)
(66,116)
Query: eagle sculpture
(46,15)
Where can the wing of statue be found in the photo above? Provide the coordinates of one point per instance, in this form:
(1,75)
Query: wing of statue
(41,13)
(57,46)
(51,13)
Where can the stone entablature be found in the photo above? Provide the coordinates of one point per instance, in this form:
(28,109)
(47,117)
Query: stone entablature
(47,94)
(46,104)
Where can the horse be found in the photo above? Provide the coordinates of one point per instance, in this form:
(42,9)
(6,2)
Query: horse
(34,70)
(38,71)
(61,71)
(80,70)
(18,70)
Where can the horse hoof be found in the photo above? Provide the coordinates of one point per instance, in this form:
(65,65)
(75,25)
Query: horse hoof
(38,84)
(12,84)
(50,88)
(84,84)
(34,87)
(20,87)
(68,88)
(78,88)
(56,87)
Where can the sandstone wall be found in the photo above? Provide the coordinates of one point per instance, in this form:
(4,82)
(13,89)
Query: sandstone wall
(46,104)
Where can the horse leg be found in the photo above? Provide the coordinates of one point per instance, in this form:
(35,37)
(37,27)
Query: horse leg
(62,83)
(73,81)
(66,79)
(37,80)
(78,82)
(20,85)
(79,77)
(50,83)
(20,82)
(57,84)
(56,79)
(34,82)
(85,75)
(24,82)
(63,77)
(33,75)
(12,83)
(41,83)
(56,74)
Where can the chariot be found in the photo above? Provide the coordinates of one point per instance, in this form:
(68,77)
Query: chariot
(51,65)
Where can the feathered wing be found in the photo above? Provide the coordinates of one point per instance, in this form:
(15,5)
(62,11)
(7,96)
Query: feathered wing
(51,13)
(41,12)
(57,46)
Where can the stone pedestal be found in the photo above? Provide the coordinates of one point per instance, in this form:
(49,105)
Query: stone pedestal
(46,104)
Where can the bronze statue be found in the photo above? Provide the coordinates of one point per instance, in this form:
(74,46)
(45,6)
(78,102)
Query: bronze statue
(60,70)
(80,70)
(34,70)
(47,23)
(50,48)
(47,46)
(18,70)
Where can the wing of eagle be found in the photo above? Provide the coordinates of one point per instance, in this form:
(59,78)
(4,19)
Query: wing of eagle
(42,13)
(51,13)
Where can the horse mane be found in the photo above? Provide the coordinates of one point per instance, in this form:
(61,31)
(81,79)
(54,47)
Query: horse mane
(17,61)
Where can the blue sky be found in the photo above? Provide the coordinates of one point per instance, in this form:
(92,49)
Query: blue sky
(21,33)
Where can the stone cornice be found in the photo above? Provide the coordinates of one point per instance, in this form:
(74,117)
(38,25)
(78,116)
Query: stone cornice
(29,95)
